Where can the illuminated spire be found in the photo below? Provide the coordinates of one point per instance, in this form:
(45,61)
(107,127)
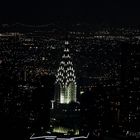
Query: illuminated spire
(65,79)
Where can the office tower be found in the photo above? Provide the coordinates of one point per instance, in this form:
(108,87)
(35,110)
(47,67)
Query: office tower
(65,109)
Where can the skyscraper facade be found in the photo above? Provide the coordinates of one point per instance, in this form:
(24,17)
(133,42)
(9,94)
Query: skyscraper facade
(65,108)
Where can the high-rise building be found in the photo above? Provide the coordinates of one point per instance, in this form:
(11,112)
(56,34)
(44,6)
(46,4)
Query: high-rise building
(65,109)
(65,79)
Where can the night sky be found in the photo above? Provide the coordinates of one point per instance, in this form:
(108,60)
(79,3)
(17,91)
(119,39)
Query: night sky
(44,11)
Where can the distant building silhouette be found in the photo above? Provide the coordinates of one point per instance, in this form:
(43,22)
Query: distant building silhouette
(130,79)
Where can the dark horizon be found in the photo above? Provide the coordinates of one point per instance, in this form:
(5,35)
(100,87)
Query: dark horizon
(43,12)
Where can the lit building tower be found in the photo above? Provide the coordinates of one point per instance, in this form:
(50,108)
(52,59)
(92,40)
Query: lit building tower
(65,79)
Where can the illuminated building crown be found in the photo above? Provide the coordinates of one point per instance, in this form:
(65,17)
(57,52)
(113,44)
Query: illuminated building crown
(65,79)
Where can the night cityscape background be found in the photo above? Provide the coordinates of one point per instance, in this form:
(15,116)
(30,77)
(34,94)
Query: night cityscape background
(69,70)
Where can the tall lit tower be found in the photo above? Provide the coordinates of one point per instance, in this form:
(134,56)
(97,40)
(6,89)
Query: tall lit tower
(65,79)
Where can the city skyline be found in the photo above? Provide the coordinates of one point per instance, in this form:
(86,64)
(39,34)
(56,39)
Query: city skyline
(75,78)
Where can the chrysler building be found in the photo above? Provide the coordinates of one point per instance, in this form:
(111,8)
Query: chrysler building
(65,79)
